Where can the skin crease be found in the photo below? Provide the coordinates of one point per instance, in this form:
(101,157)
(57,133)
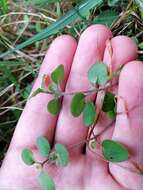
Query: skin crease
(88,171)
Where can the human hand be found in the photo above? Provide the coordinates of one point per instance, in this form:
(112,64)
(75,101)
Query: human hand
(85,171)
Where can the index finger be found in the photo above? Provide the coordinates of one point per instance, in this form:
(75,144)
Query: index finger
(35,120)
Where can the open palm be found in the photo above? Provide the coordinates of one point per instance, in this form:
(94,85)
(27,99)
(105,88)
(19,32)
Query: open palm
(85,171)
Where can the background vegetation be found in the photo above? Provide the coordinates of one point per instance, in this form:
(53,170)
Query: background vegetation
(22,19)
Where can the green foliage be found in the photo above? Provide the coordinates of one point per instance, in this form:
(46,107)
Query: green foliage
(16,77)
(89,114)
(40,3)
(109,102)
(141,45)
(68,18)
(107,18)
(77,104)
(112,2)
(112,114)
(109,105)
(54,106)
(98,73)
(36,92)
(53,88)
(43,146)
(26,91)
(23,26)
(140,5)
(62,155)
(27,157)
(4,6)
(58,74)
(10,77)
(46,181)
(114,151)
(92,144)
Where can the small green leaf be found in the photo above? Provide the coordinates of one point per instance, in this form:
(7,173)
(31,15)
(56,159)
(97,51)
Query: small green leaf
(27,157)
(98,74)
(43,146)
(112,2)
(112,114)
(77,104)
(46,181)
(141,45)
(58,74)
(36,92)
(109,102)
(53,156)
(114,151)
(62,155)
(89,114)
(92,144)
(106,17)
(54,106)
(53,87)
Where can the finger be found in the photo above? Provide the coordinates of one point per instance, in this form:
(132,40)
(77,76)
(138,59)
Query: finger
(124,49)
(35,119)
(129,126)
(90,49)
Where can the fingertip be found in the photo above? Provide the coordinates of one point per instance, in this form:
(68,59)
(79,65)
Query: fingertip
(96,29)
(63,43)
(93,38)
(129,45)
(131,69)
(125,46)
(65,40)
(62,48)
(132,73)
(124,50)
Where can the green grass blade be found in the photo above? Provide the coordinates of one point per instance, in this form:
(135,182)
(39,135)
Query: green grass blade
(140,5)
(4,6)
(12,63)
(59,24)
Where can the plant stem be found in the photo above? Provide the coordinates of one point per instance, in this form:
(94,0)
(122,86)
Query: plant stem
(86,92)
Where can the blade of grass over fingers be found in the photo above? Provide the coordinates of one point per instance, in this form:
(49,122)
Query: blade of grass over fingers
(68,18)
